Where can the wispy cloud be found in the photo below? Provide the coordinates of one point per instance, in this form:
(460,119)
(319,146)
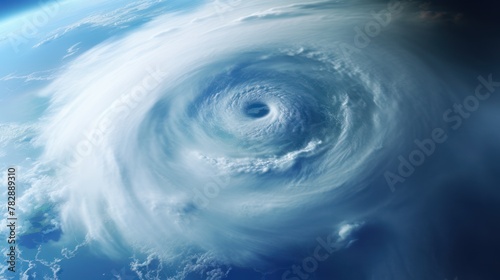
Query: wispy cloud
(116,18)
(72,50)
(46,75)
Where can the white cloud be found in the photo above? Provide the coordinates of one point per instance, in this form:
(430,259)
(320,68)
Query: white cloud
(72,50)
(119,17)
(45,75)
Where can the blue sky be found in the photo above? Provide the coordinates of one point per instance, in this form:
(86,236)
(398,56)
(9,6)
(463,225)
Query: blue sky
(10,7)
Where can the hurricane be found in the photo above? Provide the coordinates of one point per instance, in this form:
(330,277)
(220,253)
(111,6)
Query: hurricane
(225,147)
(229,135)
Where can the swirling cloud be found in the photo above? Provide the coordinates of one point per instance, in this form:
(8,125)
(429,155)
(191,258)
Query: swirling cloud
(238,137)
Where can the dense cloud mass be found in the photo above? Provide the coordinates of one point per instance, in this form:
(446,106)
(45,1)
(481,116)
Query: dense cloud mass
(279,140)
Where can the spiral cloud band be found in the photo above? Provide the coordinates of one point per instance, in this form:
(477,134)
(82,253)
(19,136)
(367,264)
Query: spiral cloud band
(243,132)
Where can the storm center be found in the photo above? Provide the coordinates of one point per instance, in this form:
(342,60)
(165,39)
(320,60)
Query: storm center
(257,110)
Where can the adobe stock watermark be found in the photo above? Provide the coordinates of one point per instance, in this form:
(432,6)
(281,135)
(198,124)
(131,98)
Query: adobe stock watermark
(31,24)
(455,116)
(224,6)
(210,190)
(325,248)
(119,109)
(371,29)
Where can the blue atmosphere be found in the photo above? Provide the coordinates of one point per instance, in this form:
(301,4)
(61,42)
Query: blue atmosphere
(249,140)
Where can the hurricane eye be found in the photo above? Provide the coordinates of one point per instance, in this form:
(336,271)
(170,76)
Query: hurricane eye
(256,110)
